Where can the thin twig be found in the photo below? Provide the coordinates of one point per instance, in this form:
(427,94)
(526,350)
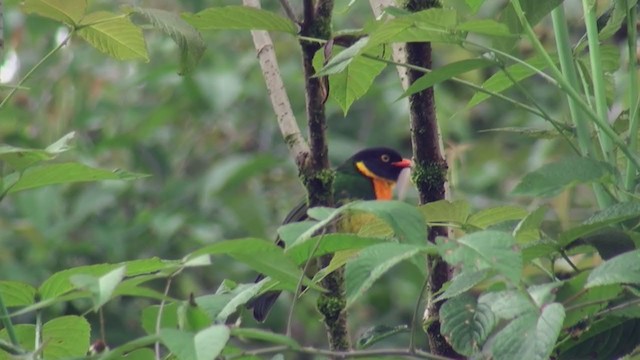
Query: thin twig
(159,317)
(342,354)
(288,9)
(414,319)
(291,133)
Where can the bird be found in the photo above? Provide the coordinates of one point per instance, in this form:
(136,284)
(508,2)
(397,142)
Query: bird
(370,174)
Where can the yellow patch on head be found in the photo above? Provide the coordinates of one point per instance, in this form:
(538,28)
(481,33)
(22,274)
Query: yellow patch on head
(383,188)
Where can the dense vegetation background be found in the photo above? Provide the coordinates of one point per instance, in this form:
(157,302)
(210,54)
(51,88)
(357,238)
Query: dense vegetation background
(218,166)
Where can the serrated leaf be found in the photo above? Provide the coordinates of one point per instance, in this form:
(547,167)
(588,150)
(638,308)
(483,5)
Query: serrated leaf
(66,337)
(463,282)
(102,287)
(553,178)
(266,336)
(189,40)
(492,216)
(239,18)
(530,336)
(114,35)
(262,255)
(444,73)
(378,333)
(528,230)
(59,283)
(612,215)
(16,293)
(373,262)
(622,269)
(203,345)
(67,11)
(444,211)
(500,81)
(482,250)
(406,221)
(465,323)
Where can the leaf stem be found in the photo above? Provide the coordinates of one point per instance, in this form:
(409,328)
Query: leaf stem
(35,67)
(8,325)
(414,318)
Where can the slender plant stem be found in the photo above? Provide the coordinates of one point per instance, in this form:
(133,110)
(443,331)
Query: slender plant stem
(8,325)
(577,115)
(38,337)
(597,75)
(634,98)
(159,317)
(570,90)
(342,354)
(414,318)
(35,67)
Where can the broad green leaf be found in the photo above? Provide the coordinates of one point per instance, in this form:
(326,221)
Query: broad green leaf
(611,338)
(474,5)
(485,27)
(379,333)
(16,293)
(114,35)
(444,211)
(101,288)
(622,269)
(553,178)
(261,255)
(192,317)
(507,304)
(189,40)
(26,335)
(584,303)
(528,230)
(466,323)
(463,282)
(428,25)
(343,59)
(59,283)
(239,18)
(602,219)
(615,19)
(67,11)
(539,249)
(150,266)
(204,345)
(329,244)
(405,220)
(169,319)
(66,337)
(492,216)
(64,173)
(444,73)
(224,303)
(266,336)
(290,232)
(22,158)
(534,11)
(500,82)
(338,260)
(530,336)
(482,250)
(373,262)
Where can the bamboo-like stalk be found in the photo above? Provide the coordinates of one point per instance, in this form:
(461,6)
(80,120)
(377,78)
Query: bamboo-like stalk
(632,34)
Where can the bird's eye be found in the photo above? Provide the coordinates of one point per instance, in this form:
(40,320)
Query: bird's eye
(384,157)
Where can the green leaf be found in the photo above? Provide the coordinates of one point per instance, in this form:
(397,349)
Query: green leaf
(444,211)
(67,11)
(610,338)
(615,20)
(466,323)
(484,249)
(528,230)
(485,27)
(290,232)
(329,244)
(406,221)
(343,59)
(492,216)
(114,35)
(204,345)
(26,335)
(66,337)
(65,173)
(474,5)
(16,293)
(609,242)
(192,317)
(189,40)
(263,335)
(534,11)
(445,73)
(240,18)
(224,303)
(500,82)
(553,178)
(530,336)
(101,288)
(169,319)
(59,283)
(261,255)
(463,282)
(584,303)
(373,262)
(22,158)
(602,219)
(379,333)
(429,25)
(622,269)
(507,304)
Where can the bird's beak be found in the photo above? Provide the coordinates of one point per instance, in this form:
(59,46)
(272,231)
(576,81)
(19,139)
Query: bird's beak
(404,163)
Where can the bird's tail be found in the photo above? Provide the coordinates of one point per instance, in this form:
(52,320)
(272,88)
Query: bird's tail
(263,304)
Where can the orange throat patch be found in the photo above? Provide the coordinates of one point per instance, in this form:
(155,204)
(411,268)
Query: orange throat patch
(382,188)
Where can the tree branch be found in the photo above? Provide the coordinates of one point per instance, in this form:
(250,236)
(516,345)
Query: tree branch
(429,173)
(298,147)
